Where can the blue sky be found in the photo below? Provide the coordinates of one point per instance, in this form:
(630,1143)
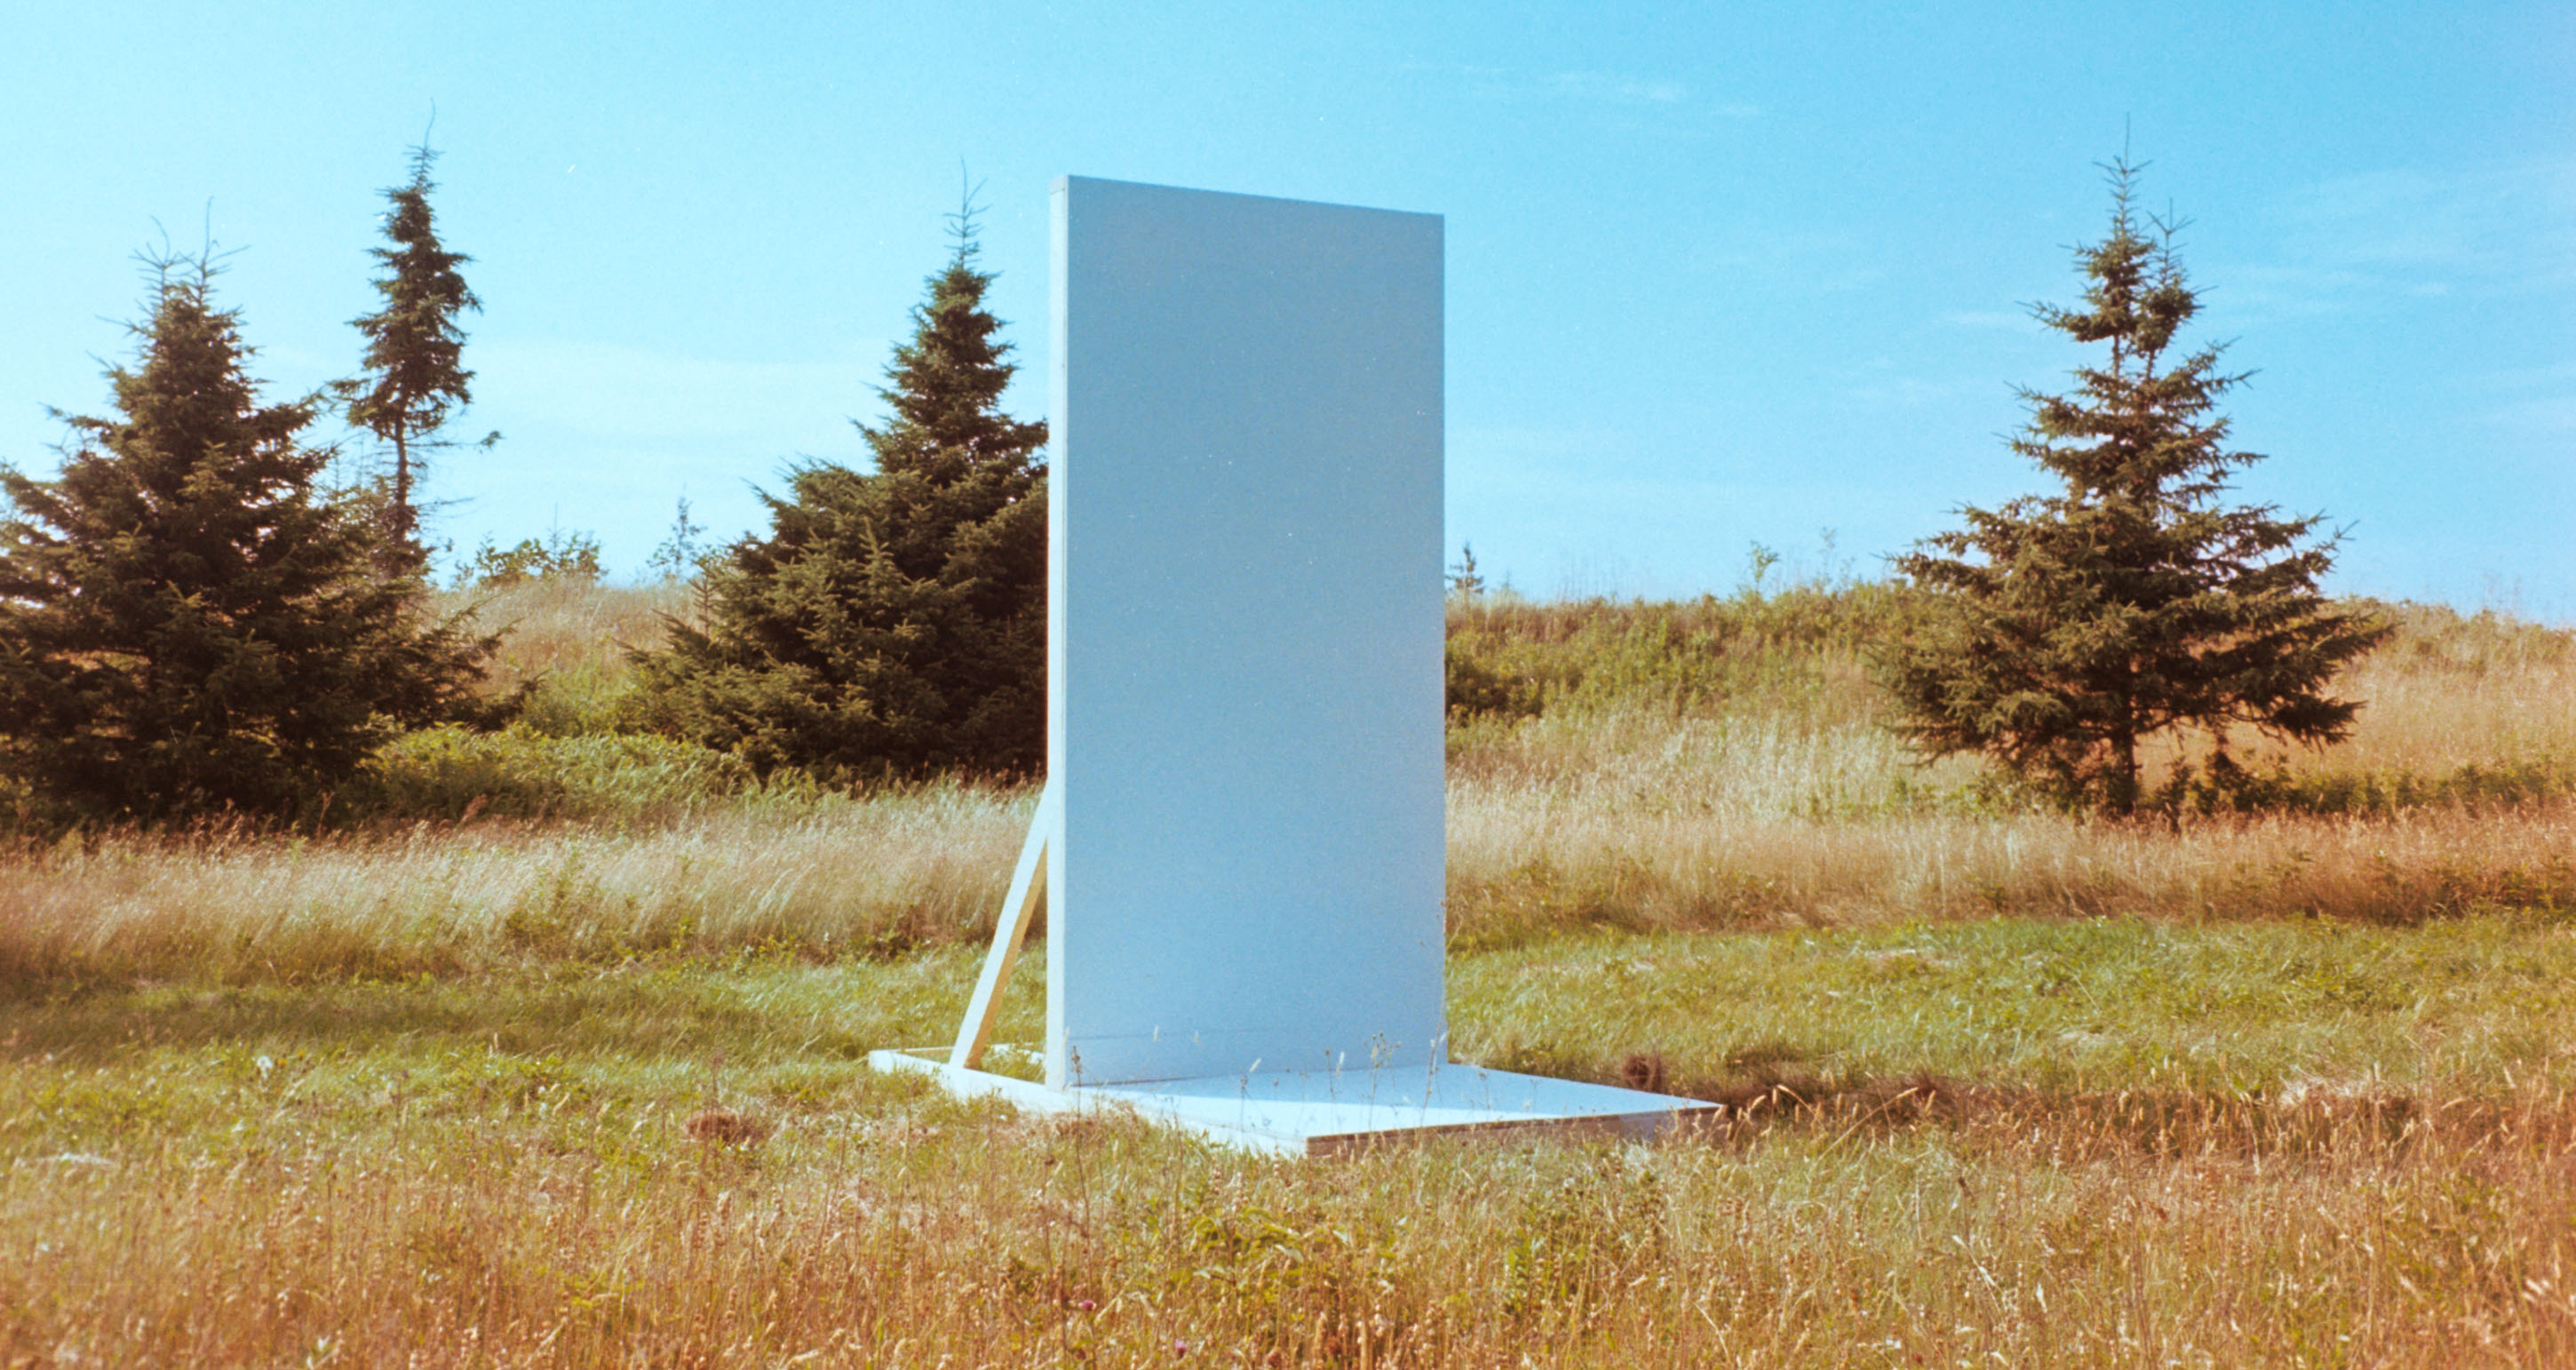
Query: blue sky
(1718,275)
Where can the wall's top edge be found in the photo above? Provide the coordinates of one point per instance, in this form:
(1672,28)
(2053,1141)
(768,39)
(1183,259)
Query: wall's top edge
(1066,183)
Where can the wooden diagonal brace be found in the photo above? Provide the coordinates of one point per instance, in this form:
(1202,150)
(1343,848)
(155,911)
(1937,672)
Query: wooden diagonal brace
(1010,929)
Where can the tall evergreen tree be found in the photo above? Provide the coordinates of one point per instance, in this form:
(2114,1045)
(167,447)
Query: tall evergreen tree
(2070,628)
(185,628)
(893,622)
(414,377)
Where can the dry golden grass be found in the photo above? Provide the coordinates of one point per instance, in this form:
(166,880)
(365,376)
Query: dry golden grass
(1800,809)
(1525,860)
(567,627)
(826,877)
(2449,691)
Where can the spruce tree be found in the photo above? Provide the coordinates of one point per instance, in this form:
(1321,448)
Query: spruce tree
(893,622)
(414,376)
(185,628)
(2070,628)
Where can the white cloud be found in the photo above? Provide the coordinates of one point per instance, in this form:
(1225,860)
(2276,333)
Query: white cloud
(2545,415)
(1992,320)
(1907,392)
(2534,401)
(611,390)
(2480,231)
(1609,88)
(1825,260)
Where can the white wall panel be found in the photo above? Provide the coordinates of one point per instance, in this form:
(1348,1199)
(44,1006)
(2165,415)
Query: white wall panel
(1244,635)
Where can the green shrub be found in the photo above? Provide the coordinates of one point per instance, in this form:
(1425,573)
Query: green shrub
(451,774)
(583,699)
(561,556)
(1481,687)
(2381,792)
(1511,657)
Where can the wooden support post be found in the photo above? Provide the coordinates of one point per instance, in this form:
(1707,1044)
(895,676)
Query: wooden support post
(1010,929)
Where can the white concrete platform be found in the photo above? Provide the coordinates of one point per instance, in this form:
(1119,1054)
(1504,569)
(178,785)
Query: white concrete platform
(1325,1113)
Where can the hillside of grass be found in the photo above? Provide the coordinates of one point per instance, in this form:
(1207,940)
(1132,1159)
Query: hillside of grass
(1726,763)
(1714,764)
(548,1051)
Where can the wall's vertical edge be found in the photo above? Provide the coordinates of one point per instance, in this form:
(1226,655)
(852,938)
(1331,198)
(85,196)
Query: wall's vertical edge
(1059,498)
(1440,577)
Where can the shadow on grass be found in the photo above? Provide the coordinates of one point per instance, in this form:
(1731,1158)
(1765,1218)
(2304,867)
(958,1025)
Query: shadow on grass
(1770,1097)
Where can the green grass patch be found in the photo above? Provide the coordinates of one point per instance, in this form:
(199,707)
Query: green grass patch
(2479,1004)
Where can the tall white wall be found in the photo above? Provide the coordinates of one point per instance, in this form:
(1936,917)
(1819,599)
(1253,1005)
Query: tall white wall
(1244,636)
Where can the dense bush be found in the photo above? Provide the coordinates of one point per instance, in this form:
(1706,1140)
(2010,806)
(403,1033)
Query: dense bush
(893,623)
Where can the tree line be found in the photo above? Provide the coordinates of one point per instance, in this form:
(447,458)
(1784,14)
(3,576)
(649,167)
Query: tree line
(194,622)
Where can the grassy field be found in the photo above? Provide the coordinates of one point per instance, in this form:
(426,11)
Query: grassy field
(568,1073)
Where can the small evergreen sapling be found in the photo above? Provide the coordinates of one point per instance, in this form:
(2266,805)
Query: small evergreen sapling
(2071,628)
(185,629)
(1465,581)
(677,557)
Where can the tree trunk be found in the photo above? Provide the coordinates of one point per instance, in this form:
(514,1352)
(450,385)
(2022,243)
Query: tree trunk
(402,520)
(2123,798)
